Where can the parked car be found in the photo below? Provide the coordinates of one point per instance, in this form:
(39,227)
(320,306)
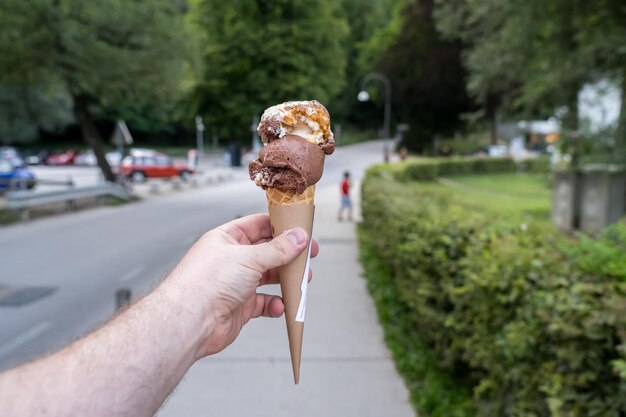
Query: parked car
(88,158)
(36,157)
(114,158)
(498,151)
(143,164)
(9,153)
(15,176)
(67,157)
(494,151)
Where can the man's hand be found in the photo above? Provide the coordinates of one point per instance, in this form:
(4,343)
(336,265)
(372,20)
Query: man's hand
(130,365)
(227,265)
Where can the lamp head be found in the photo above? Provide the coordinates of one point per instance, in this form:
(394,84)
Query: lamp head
(363,96)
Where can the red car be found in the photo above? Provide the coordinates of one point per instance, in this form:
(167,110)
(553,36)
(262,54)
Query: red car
(61,158)
(139,166)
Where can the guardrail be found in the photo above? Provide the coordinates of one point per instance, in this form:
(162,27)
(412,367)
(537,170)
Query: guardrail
(24,200)
(13,184)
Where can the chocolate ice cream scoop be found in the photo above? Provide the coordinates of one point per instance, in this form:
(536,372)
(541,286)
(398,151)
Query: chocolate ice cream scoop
(297,136)
(307,119)
(291,163)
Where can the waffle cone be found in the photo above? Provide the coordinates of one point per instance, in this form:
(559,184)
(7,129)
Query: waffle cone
(276,197)
(288,210)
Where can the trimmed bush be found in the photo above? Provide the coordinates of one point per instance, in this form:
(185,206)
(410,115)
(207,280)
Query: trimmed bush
(533,322)
(433,392)
(493,165)
(540,165)
(428,169)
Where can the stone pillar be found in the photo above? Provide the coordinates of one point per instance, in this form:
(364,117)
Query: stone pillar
(565,200)
(602,198)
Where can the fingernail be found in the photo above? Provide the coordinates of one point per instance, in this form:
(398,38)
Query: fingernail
(297,236)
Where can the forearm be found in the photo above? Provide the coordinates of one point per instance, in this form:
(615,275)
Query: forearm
(126,368)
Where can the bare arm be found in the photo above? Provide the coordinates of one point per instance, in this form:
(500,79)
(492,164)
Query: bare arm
(130,366)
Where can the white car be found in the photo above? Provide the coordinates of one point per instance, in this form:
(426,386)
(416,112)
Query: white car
(498,151)
(88,158)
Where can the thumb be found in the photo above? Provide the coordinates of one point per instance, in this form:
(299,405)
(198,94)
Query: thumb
(281,250)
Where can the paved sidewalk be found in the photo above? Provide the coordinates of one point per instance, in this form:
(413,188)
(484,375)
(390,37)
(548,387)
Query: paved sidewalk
(346,368)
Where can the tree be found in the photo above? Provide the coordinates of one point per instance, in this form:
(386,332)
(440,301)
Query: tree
(365,18)
(262,52)
(535,54)
(25,110)
(104,54)
(425,71)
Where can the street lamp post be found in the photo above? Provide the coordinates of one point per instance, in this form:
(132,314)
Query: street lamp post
(200,137)
(364,96)
(256,143)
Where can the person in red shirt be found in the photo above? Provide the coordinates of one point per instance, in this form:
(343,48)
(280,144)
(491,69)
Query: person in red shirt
(346,202)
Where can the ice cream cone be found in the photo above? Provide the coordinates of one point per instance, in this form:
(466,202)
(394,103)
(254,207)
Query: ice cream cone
(276,197)
(288,210)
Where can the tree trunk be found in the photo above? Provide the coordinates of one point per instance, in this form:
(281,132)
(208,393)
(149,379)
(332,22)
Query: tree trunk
(494,116)
(495,126)
(91,136)
(570,123)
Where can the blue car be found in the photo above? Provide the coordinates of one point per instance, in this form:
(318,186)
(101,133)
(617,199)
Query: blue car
(14,175)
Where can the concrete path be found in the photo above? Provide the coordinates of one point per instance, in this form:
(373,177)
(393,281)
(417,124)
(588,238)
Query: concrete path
(346,368)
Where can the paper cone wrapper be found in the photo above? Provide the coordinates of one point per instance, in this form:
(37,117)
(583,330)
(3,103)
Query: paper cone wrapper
(294,276)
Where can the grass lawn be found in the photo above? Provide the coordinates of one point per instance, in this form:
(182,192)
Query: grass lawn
(515,195)
(8,216)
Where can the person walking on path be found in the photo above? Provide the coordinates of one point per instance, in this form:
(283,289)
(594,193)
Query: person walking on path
(346,201)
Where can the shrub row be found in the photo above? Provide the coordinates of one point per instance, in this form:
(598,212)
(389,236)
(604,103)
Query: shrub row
(432,168)
(534,323)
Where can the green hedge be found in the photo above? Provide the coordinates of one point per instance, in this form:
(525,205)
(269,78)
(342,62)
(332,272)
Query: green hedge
(533,322)
(540,165)
(433,392)
(432,168)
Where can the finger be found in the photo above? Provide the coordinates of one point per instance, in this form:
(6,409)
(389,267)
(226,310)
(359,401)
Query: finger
(263,240)
(269,277)
(279,251)
(267,306)
(315,248)
(249,229)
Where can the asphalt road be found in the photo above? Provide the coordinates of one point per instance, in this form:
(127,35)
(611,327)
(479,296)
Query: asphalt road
(87,256)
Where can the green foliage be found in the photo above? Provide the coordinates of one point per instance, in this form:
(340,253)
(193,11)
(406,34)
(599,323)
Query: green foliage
(604,255)
(383,36)
(8,216)
(428,169)
(426,74)
(261,53)
(433,392)
(126,58)
(536,54)
(532,321)
(465,145)
(364,18)
(25,110)
(540,165)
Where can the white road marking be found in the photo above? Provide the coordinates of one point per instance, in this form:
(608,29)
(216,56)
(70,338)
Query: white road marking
(23,338)
(132,273)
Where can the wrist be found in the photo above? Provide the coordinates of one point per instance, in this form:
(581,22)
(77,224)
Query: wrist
(192,308)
